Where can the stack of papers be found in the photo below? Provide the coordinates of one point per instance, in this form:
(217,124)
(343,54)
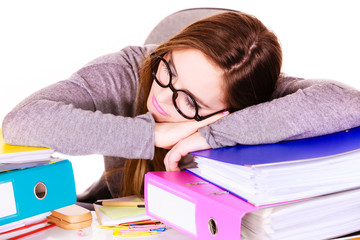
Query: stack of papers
(18,157)
(323,217)
(270,184)
(285,171)
(14,229)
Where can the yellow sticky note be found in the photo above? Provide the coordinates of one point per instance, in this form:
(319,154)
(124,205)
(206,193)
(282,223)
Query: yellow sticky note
(120,212)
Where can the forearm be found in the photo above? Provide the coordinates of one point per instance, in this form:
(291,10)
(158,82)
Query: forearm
(317,110)
(65,118)
(79,132)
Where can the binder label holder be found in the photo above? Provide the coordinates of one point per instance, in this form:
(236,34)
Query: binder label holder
(7,199)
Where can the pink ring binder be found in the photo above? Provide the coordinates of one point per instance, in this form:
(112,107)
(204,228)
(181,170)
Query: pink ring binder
(216,216)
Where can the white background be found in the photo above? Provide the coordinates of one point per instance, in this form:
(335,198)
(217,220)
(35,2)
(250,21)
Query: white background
(44,41)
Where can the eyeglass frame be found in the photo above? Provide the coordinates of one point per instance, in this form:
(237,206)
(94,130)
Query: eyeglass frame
(197,117)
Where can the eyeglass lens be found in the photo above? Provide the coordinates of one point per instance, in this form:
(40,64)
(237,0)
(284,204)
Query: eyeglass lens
(183,102)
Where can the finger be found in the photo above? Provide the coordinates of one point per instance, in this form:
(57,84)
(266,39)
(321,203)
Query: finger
(166,161)
(171,161)
(212,119)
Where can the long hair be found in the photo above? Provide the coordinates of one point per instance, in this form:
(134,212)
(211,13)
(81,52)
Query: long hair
(250,56)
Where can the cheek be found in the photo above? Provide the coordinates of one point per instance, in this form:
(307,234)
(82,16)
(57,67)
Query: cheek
(149,102)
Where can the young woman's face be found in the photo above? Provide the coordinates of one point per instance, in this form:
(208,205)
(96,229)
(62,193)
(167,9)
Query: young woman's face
(191,71)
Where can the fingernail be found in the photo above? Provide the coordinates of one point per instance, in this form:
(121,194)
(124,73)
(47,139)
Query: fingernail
(225,112)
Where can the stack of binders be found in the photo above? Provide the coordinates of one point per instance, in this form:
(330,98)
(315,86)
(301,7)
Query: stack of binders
(32,183)
(300,189)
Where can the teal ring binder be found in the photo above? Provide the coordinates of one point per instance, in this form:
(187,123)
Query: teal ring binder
(32,191)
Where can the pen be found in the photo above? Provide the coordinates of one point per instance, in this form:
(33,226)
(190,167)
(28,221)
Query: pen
(145,221)
(139,204)
(135,227)
(133,234)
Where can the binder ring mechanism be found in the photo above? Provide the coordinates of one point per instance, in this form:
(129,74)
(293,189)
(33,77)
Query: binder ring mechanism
(40,190)
(212,226)
(212,223)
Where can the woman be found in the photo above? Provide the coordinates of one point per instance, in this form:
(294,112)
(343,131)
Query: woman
(179,102)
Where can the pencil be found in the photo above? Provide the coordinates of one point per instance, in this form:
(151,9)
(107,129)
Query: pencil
(139,204)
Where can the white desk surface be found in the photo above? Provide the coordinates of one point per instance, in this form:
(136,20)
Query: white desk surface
(95,233)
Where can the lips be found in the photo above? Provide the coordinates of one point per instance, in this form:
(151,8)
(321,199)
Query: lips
(158,108)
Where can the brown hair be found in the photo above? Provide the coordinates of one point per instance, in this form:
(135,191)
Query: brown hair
(238,43)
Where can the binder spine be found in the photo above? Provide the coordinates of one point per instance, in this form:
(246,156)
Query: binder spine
(37,190)
(194,206)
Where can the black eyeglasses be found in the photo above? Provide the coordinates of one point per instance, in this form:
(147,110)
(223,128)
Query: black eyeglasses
(184,103)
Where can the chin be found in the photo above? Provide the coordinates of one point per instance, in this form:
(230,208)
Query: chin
(157,117)
(163,119)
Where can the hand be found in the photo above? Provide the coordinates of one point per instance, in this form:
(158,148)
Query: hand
(168,134)
(192,143)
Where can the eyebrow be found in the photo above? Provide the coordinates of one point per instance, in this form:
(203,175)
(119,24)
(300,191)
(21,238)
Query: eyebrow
(200,102)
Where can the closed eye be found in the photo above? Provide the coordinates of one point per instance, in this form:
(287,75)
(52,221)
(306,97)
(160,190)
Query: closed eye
(190,103)
(165,69)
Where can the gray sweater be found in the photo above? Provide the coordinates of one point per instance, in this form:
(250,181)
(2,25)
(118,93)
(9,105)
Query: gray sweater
(93,112)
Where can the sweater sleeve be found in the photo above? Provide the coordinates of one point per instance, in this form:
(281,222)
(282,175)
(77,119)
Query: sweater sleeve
(299,109)
(92,112)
